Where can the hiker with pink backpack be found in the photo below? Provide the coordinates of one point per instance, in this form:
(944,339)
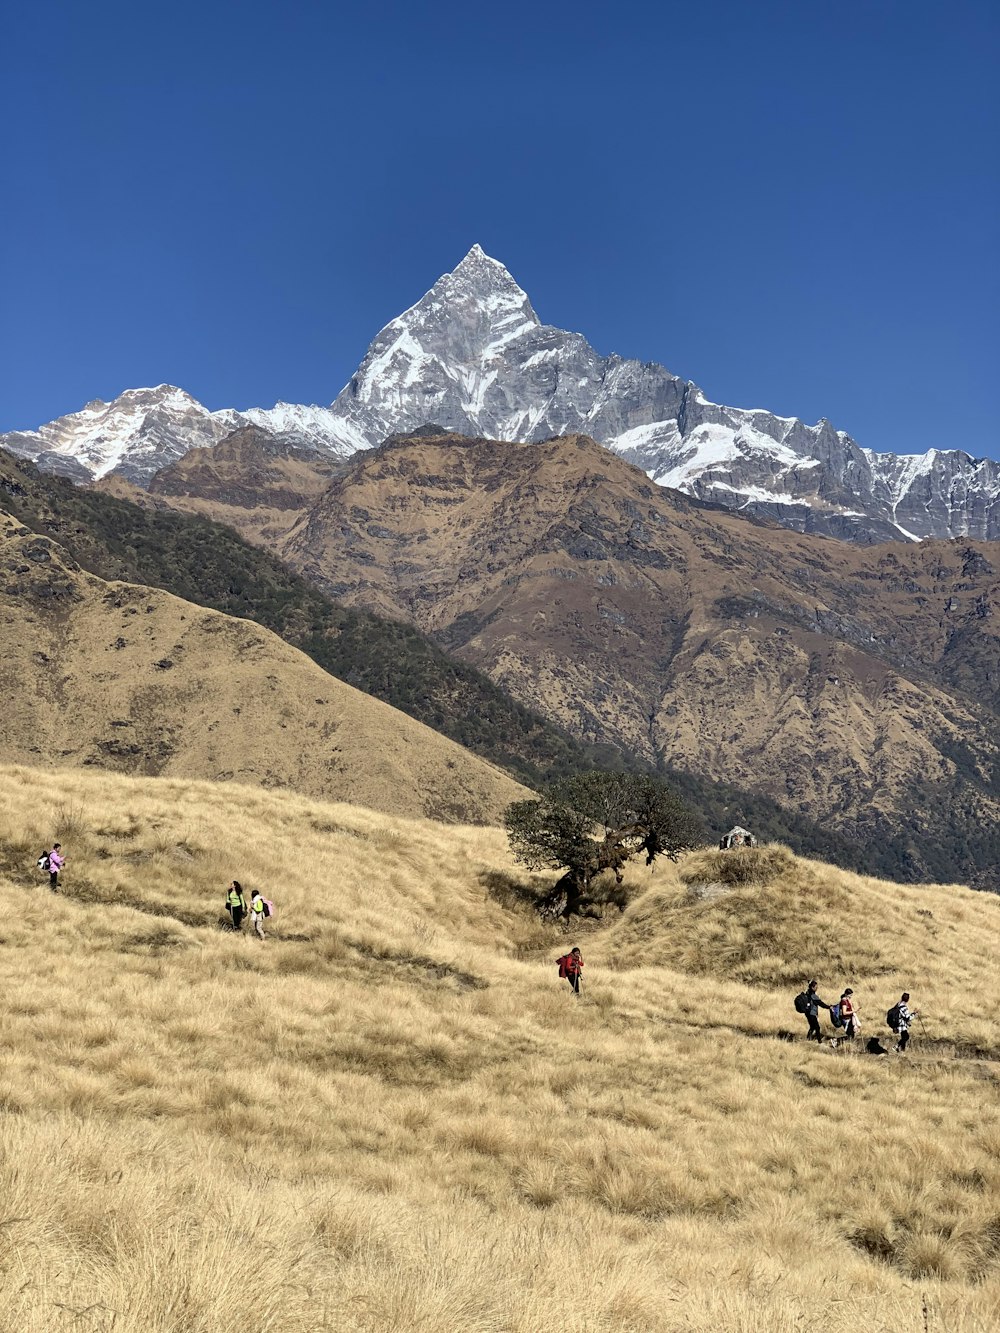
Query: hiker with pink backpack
(260,907)
(53,862)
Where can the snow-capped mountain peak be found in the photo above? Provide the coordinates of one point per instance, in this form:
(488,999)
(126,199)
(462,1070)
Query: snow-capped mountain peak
(139,430)
(467,317)
(471,355)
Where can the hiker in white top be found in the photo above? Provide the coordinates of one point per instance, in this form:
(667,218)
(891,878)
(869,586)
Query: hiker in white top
(906,1016)
(257,912)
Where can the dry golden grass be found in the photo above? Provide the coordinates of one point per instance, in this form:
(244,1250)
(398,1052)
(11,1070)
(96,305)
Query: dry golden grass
(390,1115)
(131,678)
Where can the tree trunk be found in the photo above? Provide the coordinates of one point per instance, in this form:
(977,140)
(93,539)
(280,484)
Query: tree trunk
(566,895)
(576,889)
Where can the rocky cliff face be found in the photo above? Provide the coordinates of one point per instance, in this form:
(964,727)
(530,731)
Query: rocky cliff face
(146,430)
(139,432)
(473,357)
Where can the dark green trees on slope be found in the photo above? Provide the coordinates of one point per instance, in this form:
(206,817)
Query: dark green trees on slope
(211,565)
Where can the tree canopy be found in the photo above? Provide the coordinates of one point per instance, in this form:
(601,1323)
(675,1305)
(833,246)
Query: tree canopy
(598,821)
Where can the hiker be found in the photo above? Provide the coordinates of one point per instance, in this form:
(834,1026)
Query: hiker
(904,1016)
(257,912)
(849,1015)
(570,967)
(236,904)
(56,863)
(809,1003)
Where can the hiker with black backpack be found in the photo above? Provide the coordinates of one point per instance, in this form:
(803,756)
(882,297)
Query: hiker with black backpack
(236,904)
(53,862)
(809,1003)
(570,966)
(899,1018)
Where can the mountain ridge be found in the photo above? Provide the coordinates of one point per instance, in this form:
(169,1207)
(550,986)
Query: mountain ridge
(205,562)
(856,685)
(473,356)
(130,678)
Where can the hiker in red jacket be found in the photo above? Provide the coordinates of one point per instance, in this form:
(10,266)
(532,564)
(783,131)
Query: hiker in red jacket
(570,967)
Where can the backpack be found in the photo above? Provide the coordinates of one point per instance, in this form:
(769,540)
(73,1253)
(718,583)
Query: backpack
(43,861)
(836,1018)
(892,1018)
(268,906)
(563,964)
(801,1002)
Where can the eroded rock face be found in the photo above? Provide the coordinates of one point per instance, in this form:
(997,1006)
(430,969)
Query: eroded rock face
(252,481)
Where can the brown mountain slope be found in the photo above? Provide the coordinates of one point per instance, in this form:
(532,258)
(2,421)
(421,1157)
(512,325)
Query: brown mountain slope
(247,481)
(830,676)
(130,678)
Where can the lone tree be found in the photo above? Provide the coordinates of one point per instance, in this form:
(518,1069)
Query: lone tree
(595,822)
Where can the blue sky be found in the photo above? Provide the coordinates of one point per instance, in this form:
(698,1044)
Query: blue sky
(794,204)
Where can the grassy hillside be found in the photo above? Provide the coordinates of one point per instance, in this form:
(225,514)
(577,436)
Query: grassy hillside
(210,564)
(207,563)
(390,1115)
(134,679)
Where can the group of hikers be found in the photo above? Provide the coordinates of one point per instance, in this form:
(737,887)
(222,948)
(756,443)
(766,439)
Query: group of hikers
(236,906)
(847,1022)
(844,1014)
(236,903)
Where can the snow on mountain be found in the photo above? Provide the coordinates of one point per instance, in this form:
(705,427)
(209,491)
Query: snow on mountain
(472,356)
(144,430)
(139,432)
(312,427)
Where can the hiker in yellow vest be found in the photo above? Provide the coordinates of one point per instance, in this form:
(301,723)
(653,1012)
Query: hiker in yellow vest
(236,904)
(257,912)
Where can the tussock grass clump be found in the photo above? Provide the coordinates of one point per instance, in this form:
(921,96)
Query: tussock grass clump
(391,1114)
(740,867)
(782,921)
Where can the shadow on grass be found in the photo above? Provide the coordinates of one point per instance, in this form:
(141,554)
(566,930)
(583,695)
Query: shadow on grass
(513,893)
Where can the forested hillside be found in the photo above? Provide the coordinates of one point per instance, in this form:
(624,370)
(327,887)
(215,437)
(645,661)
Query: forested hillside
(207,563)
